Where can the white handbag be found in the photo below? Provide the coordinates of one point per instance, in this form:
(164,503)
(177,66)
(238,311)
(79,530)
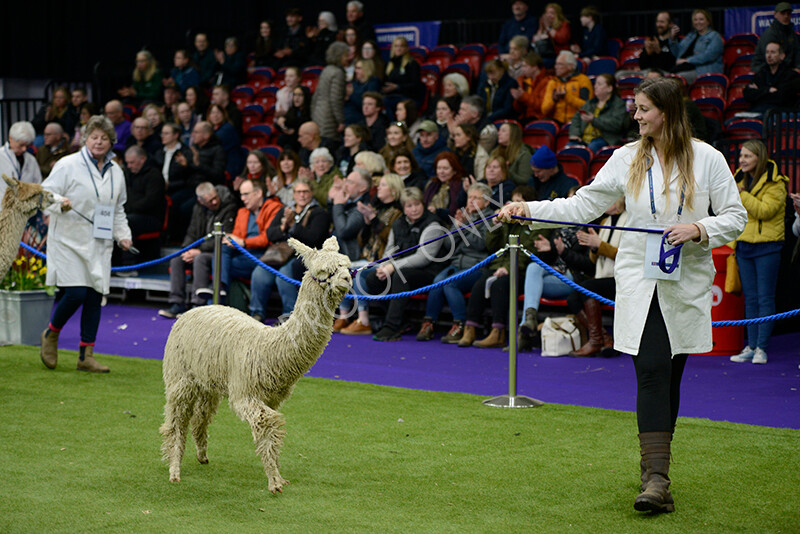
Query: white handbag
(560,335)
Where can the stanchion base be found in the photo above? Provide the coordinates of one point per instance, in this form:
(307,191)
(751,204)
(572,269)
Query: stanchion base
(517,401)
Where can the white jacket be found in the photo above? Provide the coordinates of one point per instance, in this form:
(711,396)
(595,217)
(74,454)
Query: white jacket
(30,171)
(74,256)
(685,304)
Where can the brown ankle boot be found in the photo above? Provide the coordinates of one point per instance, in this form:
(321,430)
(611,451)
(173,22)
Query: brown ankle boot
(656,497)
(86,361)
(495,339)
(49,351)
(468,337)
(594,319)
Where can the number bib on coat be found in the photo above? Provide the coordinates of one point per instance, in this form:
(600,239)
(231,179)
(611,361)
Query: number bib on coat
(103,221)
(655,246)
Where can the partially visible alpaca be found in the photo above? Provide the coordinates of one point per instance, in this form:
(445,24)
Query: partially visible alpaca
(20,202)
(217,351)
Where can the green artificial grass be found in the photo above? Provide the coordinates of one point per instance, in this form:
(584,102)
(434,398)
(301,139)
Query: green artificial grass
(80,453)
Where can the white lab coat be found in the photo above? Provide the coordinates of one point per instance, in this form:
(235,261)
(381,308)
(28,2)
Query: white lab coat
(74,256)
(685,304)
(30,171)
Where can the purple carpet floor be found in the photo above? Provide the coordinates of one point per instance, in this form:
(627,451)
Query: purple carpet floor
(713,387)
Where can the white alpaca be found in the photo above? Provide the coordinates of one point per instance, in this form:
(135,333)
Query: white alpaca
(20,201)
(217,351)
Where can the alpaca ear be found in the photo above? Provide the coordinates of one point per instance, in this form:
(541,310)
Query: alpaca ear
(331,244)
(12,183)
(302,250)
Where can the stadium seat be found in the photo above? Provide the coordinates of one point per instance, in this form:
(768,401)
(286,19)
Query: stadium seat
(602,65)
(540,133)
(419,53)
(575,166)
(272,152)
(242,95)
(614,47)
(741,65)
(251,115)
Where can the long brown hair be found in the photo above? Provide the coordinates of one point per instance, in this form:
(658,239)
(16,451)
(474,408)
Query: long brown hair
(759,150)
(667,96)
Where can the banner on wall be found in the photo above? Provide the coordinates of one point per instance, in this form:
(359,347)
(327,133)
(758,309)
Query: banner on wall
(755,19)
(416,33)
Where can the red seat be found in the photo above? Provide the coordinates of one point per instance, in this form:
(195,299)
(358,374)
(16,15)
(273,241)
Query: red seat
(575,166)
(157,235)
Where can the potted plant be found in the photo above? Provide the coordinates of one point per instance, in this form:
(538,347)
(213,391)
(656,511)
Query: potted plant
(25,302)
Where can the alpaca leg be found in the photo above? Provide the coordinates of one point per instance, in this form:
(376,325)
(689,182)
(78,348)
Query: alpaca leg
(177,413)
(204,410)
(268,432)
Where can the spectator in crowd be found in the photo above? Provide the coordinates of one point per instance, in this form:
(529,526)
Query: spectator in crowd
(264,49)
(762,189)
(406,111)
(214,204)
(221,96)
(78,261)
(228,138)
(602,120)
(405,166)
(323,174)
(529,96)
(593,41)
(796,226)
(375,120)
(470,249)
(355,18)
(499,292)
(780,31)
(257,167)
(303,219)
(249,232)
(353,47)
(122,126)
(174,174)
(554,33)
(471,155)
(549,179)
(327,103)
(518,47)
(198,101)
(172,97)
(78,97)
(516,153)
(146,200)
(155,118)
(657,53)
(58,110)
(17,162)
(347,221)
(321,36)
(142,136)
(204,59)
(309,138)
(295,47)
(147,79)
(772,86)
(429,146)
(443,189)
(364,81)
(402,76)
(370,54)
(231,69)
(355,140)
(495,89)
(471,112)
(373,163)
(288,171)
(86,112)
(185,120)
(567,91)
(454,87)
(298,114)
(55,147)
(500,184)
(700,52)
(521,23)
(283,98)
(183,75)
(443,115)
(397,138)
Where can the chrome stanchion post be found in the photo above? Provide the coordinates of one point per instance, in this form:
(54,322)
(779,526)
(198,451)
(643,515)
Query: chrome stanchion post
(217,233)
(512,400)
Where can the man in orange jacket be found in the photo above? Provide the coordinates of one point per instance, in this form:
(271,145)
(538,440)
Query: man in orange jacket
(533,84)
(567,91)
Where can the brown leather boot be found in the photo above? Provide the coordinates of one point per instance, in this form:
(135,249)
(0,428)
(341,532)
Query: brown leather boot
(86,361)
(468,337)
(594,320)
(656,497)
(49,351)
(495,339)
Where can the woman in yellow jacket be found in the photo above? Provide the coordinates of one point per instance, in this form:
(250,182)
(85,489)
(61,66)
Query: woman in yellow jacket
(758,250)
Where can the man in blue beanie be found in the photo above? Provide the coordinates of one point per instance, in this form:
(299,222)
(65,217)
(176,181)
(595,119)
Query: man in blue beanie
(548,177)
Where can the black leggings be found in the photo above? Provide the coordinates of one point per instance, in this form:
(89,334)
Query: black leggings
(68,300)
(658,376)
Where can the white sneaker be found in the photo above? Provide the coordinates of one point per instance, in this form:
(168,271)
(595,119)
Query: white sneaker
(745,356)
(759,356)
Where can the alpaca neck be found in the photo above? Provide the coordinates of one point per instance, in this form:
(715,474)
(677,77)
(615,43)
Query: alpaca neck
(309,326)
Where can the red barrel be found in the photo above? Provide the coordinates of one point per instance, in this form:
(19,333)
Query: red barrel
(725,307)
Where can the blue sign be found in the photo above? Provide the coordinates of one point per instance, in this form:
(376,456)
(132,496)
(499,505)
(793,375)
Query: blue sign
(754,19)
(416,33)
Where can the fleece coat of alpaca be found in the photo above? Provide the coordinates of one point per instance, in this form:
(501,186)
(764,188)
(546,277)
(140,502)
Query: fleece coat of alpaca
(20,202)
(216,351)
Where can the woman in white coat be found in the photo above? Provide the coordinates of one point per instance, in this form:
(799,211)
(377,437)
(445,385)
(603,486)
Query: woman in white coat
(80,241)
(659,318)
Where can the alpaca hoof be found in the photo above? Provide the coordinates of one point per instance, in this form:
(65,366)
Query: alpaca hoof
(276,486)
(174,479)
(203,459)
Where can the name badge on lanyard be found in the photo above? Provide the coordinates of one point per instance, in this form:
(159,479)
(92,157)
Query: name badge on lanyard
(103,223)
(661,260)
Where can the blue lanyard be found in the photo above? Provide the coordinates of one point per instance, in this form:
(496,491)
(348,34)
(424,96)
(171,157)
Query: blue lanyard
(91,175)
(653,200)
(14,162)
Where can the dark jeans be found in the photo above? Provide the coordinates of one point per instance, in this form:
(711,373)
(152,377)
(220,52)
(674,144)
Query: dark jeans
(201,273)
(453,292)
(658,376)
(498,299)
(68,300)
(414,278)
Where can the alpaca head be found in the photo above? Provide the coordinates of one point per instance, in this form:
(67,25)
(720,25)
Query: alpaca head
(327,268)
(24,197)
